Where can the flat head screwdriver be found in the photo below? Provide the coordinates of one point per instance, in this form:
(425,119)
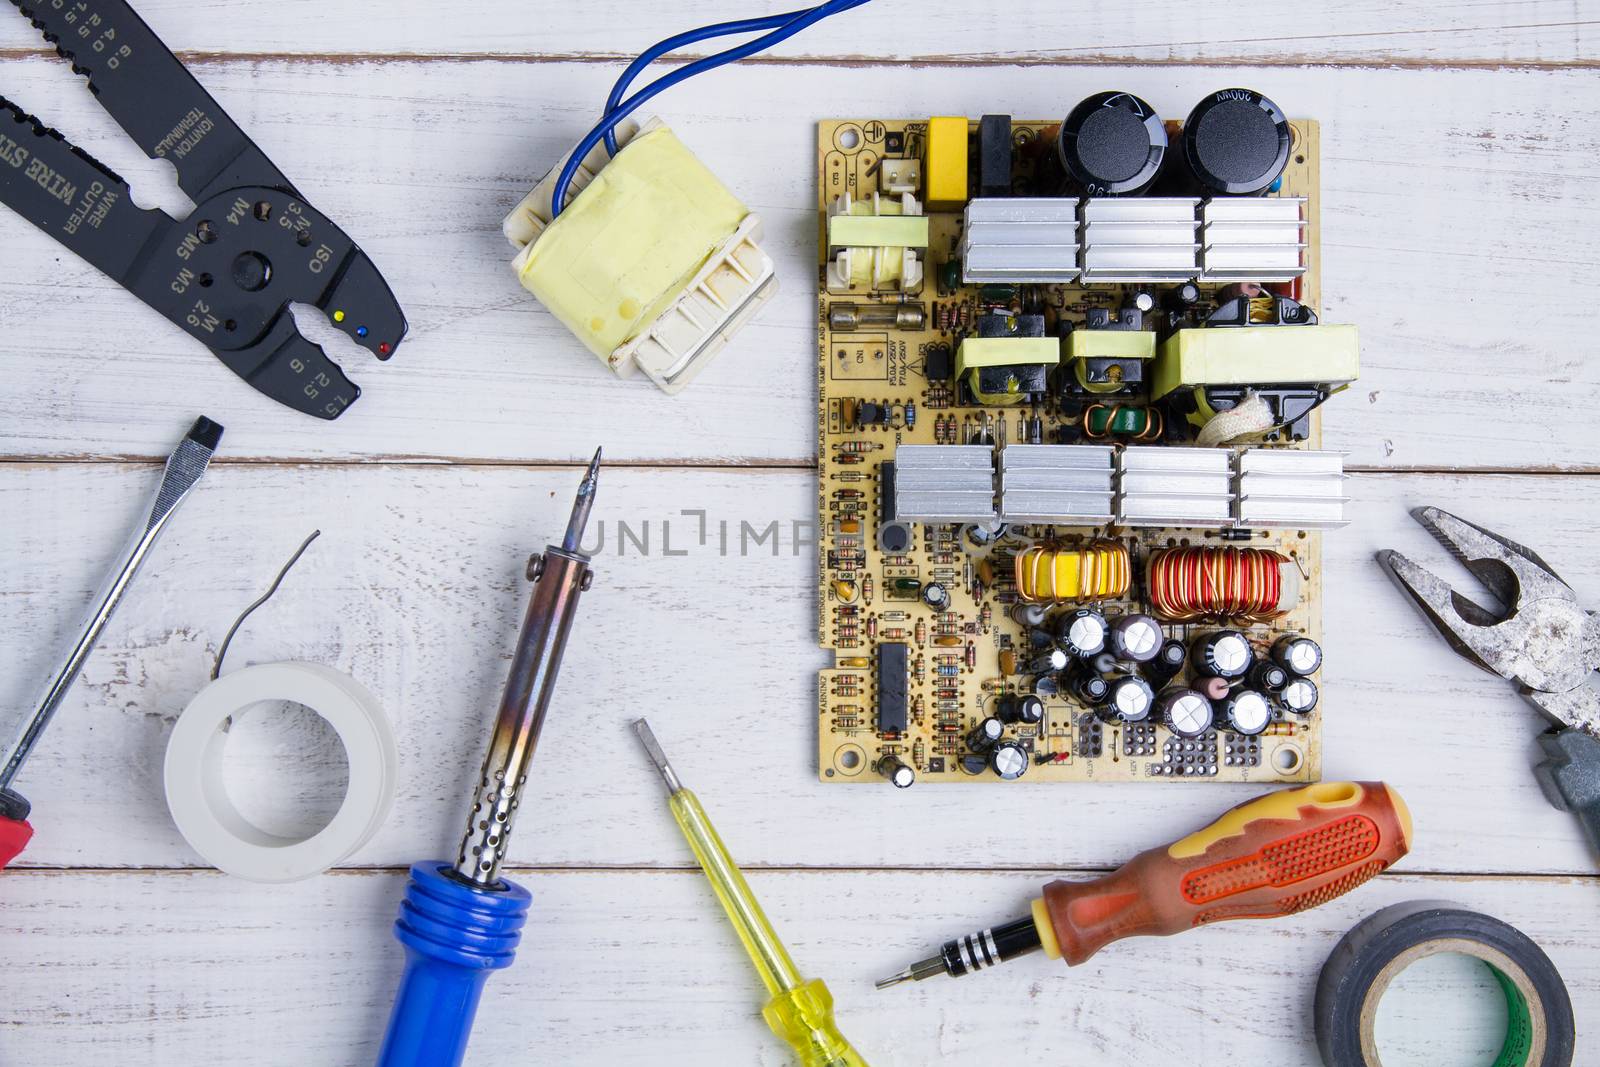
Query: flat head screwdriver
(460,919)
(1272,856)
(799,1011)
(182,472)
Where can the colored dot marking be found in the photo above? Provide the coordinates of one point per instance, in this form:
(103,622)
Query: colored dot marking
(383,349)
(361,331)
(338,316)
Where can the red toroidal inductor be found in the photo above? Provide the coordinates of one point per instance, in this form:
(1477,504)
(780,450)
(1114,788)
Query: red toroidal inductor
(1222,583)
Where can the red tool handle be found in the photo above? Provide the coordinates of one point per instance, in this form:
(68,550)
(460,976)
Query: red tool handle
(1278,854)
(14,837)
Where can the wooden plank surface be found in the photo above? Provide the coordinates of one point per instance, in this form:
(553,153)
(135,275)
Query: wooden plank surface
(416,590)
(1460,174)
(198,968)
(1452,32)
(1457,213)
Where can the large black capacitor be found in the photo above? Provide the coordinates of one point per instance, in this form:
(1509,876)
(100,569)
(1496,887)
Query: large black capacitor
(1128,700)
(1223,654)
(1021,708)
(1009,760)
(1245,712)
(1082,633)
(1236,141)
(1299,656)
(1111,145)
(983,736)
(1185,712)
(1135,639)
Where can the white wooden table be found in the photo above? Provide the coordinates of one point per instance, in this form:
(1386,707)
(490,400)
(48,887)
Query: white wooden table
(1461,182)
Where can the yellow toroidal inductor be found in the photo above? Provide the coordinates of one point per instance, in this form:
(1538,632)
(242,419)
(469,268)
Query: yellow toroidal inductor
(1101,571)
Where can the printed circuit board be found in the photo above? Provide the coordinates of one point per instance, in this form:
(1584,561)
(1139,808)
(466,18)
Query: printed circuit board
(1056,583)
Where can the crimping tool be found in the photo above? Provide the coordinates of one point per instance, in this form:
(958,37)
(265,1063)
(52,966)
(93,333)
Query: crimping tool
(227,274)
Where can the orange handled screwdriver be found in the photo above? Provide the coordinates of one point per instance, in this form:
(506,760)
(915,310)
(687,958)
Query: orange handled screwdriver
(1275,855)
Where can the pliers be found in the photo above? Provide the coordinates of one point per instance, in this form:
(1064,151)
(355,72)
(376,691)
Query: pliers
(1540,639)
(227,274)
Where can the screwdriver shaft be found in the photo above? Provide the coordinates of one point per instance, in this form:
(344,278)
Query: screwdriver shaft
(183,470)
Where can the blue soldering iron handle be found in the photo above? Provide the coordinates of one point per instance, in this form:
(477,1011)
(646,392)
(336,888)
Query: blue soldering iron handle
(454,934)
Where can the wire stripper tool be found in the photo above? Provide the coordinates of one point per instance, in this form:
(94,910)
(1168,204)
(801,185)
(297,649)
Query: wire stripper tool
(227,274)
(1538,637)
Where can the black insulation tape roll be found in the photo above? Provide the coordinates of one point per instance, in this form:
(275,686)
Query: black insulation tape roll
(1539,1030)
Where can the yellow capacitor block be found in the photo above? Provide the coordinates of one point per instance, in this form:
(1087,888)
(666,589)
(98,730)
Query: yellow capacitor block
(944,163)
(1266,355)
(627,247)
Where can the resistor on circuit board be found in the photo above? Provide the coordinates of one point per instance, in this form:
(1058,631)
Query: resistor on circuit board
(921,633)
(1280,729)
(971,656)
(850,476)
(872,627)
(919,670)
(851,448)
(947,657)
(846,458)
(947,670)
(866,589)
(947,694)
(846,611)
(911,415)
(894,633)
(985,616)
(848,494)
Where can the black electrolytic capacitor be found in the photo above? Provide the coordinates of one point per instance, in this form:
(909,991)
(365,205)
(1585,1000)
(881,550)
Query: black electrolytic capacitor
(1021,708)
(898,771)
(1135,639)
(1245,712)
(1128,700)
(983,736)
(1268,676)
(1223,654)
(1297,655)
(1236,141)
(936,596)
(1185,712)
(1009,760)
(1081,633)
(1090,688)
(1111,144)
(1299,696)
(994,155)
(1167,664)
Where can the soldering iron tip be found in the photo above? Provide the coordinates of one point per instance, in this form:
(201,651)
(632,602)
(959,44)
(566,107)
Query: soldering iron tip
(581,505)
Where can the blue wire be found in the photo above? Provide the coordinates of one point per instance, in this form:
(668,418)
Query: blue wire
(622,110)
(683,40)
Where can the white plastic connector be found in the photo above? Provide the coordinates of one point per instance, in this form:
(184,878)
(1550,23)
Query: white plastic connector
(669,265)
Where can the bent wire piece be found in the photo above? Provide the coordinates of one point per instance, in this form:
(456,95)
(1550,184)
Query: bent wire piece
(1540,638)
(227,274)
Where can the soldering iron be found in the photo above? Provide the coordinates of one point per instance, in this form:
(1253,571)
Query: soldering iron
(459,919)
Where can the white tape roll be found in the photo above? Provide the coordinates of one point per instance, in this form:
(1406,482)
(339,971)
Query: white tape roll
(198,797)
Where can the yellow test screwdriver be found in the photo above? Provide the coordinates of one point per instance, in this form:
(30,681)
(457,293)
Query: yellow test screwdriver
(800,1011)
